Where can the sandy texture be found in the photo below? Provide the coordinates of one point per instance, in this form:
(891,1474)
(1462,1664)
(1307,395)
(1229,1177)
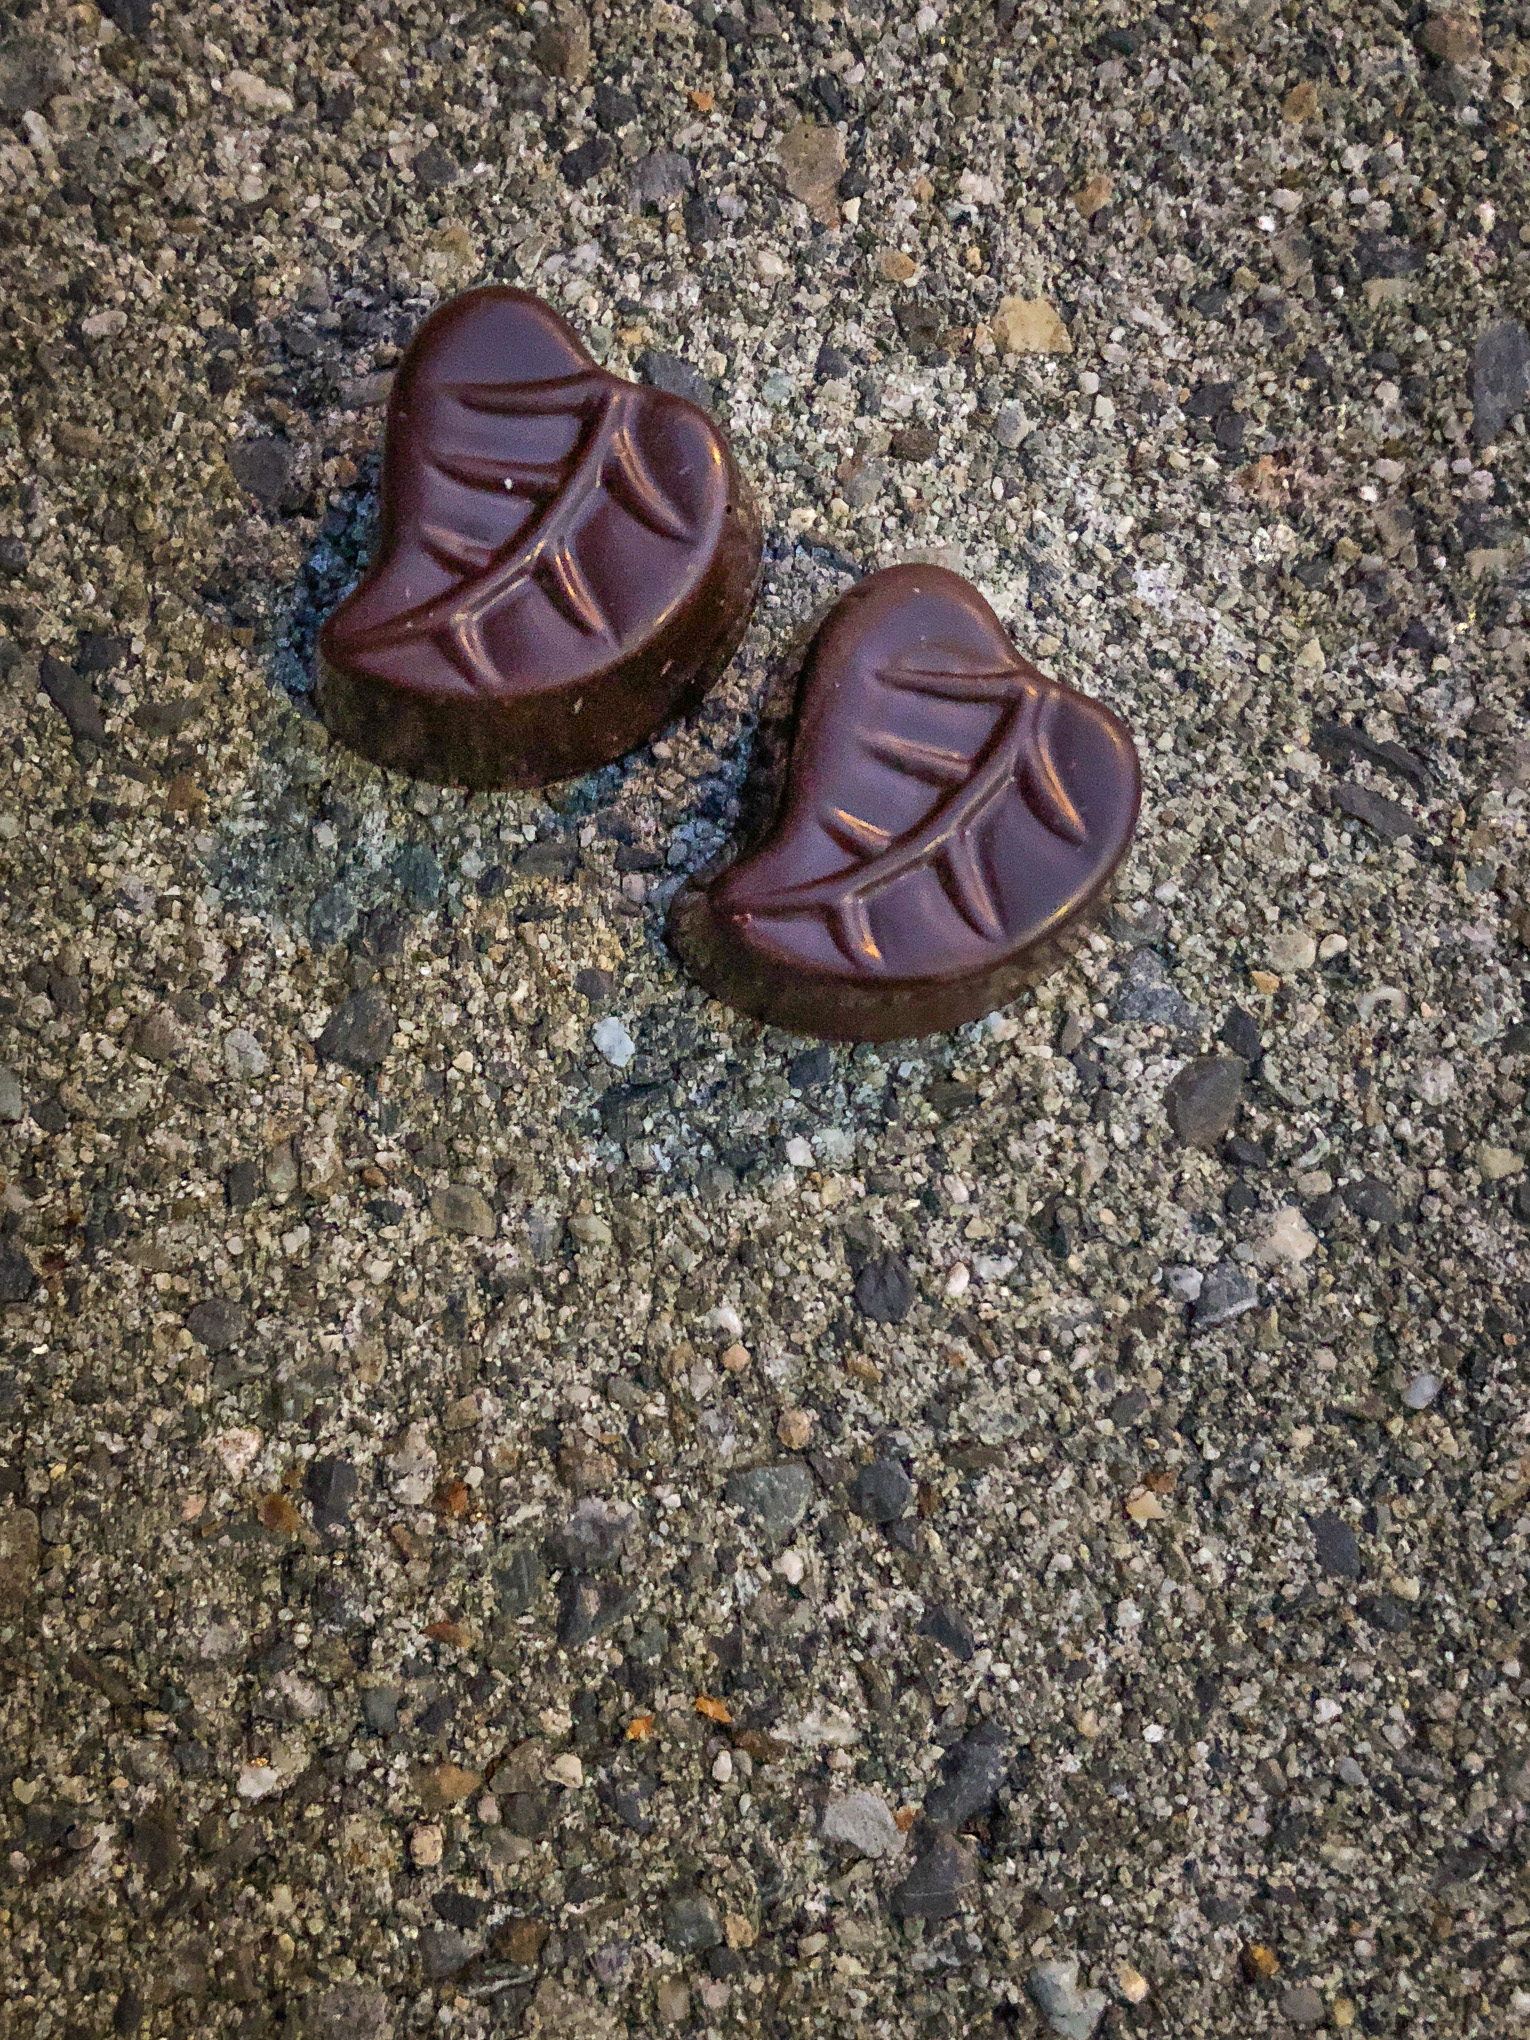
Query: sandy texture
(530,1505)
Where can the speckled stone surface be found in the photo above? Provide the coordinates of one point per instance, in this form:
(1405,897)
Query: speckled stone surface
(503,1464)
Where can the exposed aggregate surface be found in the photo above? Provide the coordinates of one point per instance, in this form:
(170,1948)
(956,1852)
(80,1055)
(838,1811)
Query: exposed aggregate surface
(530,1504)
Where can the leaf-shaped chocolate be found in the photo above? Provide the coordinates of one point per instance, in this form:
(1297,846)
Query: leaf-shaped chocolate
(566,561)
(950,818)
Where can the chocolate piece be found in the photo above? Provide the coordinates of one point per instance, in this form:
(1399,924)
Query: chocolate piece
(949,820)
(566,561)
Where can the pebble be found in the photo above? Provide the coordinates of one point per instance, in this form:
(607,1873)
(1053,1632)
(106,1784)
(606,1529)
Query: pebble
(881,1491)
(1421,1391)
(1369,1198)
(360,1031)
(1303,2006)
(1386,818)
(945,1624)
(1288,1240)
(775,1497)
(612,1040)
(974,1772)
(1337,1546)
(1203,1099)
(1011,427)
(263,468)
(595,1534)
(884,1290)
(12,1103)
(938,1884)
(1291,950)
(812,163)
(20,1552)
(1030,326)
(794,1428)
(74,698)
(243,1056)
(458,1207)
(217,1323)
(1500,378)
(1497,1162)
(692,1925)
(1071,2013)
(862,1821)
(1226,1292)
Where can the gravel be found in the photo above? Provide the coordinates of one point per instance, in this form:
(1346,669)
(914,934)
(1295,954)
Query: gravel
(404,1660)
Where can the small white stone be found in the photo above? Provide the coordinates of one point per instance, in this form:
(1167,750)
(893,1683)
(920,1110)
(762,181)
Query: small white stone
(722,1767)
(258,1781)
(426,1844)
(566,1771)
(769,264)
(799,1153)
(1291,949)
(613,1041)
(1288,1239)
(958,1280)
(1496,1162)
(1435,1082)
(1332,946)
(243,1056)
(1421,1391)
(790,1566)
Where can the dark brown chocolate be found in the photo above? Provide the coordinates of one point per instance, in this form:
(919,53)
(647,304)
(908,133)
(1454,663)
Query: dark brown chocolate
(566,561)
(950,818)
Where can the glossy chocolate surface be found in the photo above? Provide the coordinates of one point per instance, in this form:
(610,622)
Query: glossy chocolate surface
(950,818)
(565,561)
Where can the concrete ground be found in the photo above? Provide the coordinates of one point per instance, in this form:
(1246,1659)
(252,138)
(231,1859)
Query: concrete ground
(529,1503)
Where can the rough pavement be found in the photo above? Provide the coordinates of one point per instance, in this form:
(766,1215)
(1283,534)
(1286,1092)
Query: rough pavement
(406,1276)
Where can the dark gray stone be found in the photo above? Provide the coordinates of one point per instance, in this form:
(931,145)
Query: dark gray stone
(416,872)
(691,1925)
(32,71)
(586,162)
(1364,804)
(1500,378)
(74,698)
(263,467)
(435,169)
(1303,2005)
(18,1278)
(548,857)
(938,1883)
(1226,1292)
(777,1497)
(1370,1198)
(589,1607)
(242,1184)
(1240,1033)
(1338,1548)
(884,1290)
(218,1322)
(1202,1102)
(518,1582)
(669,372)
(882,1491)
(974,1773)
(947,1626)
(359,1032)
(331,1486)
(594,1534)
(332,917)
